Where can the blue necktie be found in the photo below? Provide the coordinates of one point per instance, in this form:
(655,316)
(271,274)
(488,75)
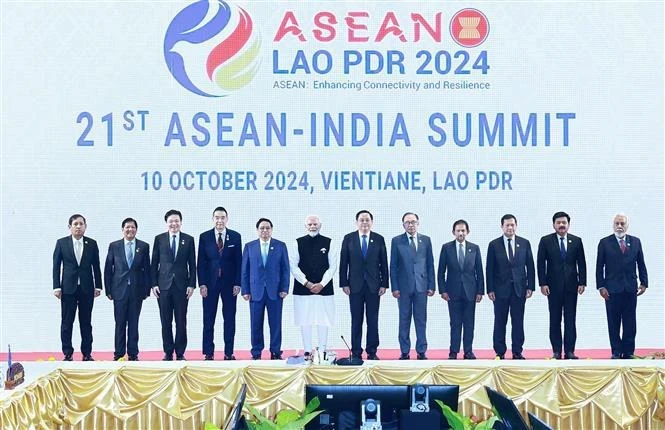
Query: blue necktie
(264,252)
(130,253)
(173,246)
(364,246)
(563,249)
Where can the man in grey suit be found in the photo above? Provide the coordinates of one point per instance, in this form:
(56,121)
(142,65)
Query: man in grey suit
(127,280)
(462,285)
(173,271)
(412,282)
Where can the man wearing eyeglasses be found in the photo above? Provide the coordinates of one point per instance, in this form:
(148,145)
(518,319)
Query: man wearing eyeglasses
(412,282)
(363,276)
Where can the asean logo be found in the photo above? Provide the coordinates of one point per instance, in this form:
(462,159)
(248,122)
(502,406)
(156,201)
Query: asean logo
(212,49)
(469,28)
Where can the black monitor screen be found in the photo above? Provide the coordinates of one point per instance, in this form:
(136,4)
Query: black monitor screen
(234,421)
(341,404)
(537,423)
(510,415)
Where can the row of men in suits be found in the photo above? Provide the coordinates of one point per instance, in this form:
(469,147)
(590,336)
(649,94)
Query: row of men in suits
(261,275)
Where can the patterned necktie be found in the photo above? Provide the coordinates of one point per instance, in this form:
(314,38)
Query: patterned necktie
(511,256)
(460,255)
(622,243)
(78,252)
(364,246)
(173,246)
(412,244)
(130,253)
(264,252)
(220,243)
(563,248)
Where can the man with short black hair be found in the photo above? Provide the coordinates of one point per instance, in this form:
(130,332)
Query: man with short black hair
(562,277)
(173,272)
(77,281)
(219,267)
(511,280)
(363,276)
(265,284)
(127,280)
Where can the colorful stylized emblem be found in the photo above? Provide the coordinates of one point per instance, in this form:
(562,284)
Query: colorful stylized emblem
(212,49)
(469,28)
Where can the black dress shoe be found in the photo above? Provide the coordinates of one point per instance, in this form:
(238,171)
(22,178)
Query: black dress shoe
(570,356)
(133,358)
(180,357)
(452,356)
(168,357)
(404,356)
(373,357)
(616,356)
(627,356)
(117,357)
(557,356)
(500,356)
(68,357)
(274,356)
(469,356)
(356,357)
(518,356)
(209,357)
(88,358)
(229,357)
(421,356)
(256,357)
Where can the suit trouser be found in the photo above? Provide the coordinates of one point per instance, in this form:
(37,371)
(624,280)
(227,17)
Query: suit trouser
(257,311)
(462,315)
(502,307)
(69,303)
(564,302)
(621,311)
(364,303)
(229,305)
(126,314)
(173,303)
(412,305)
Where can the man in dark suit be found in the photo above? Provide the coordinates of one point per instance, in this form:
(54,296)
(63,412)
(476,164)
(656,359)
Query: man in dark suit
(412,282)
(127,280)
(265,283)
(219,265)
(619,255)
(562,276)
(510,281)
(462,285)
(363,276)
(174,275)
(77,280)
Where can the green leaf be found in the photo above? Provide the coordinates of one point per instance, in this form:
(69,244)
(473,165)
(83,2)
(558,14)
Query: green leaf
(286,416)
(301,422)
(312,406)
(456,421)
(210,426)
(487,424)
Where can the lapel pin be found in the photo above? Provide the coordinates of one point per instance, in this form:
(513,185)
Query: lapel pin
(517,245)
(371,240)
(85,241)
(182,242)
(227,237)
(323,250)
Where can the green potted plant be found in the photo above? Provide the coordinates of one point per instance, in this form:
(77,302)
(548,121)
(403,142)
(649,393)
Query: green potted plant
(286,419)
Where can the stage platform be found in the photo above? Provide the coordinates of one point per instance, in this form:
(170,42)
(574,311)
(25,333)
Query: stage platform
(569,394)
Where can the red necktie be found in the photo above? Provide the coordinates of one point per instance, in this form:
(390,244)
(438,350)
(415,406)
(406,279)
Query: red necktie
(220,243)
(622,244)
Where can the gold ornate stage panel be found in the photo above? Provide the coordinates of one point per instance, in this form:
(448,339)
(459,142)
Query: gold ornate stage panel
(598,394)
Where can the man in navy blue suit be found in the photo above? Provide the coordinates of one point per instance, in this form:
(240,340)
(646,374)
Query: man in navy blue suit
(363,276)
(462,285)
(77,281)
(562,277)
(412,282)
(265,284)
(219,266)
(127,280)
(511,279)
(619,255)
